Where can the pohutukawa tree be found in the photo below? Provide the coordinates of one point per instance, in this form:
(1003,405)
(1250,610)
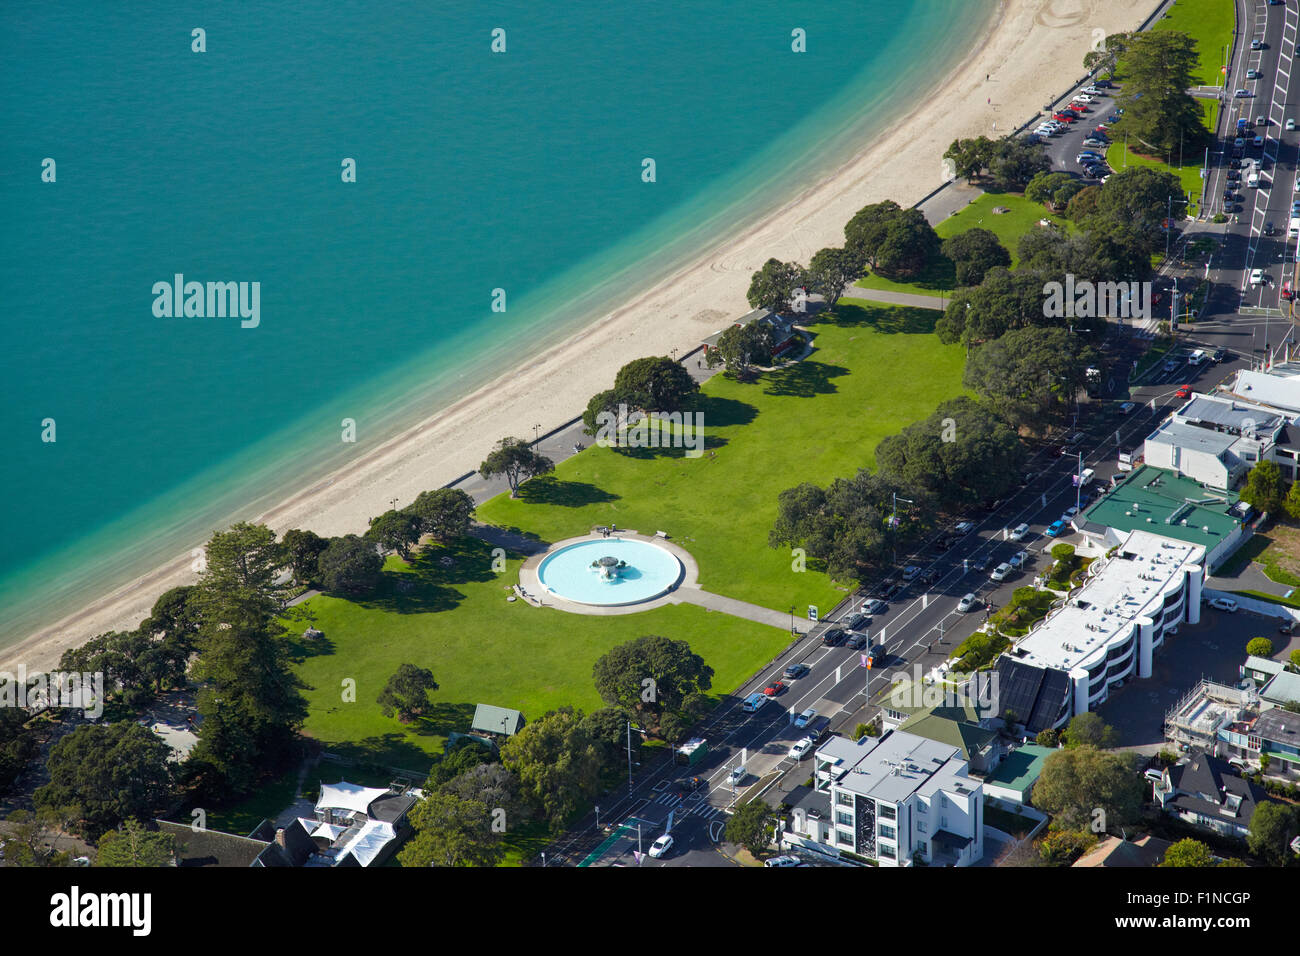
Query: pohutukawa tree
(516,459)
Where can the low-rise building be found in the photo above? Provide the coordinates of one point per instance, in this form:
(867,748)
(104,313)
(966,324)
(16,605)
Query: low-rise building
(782,328)
(1216,440)
(1105,634)
(1207,792)
(894,799)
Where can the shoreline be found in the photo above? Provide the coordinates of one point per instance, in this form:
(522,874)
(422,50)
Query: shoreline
(1030,51)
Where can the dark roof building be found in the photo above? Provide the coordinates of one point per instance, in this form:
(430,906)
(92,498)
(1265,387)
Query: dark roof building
(1207,792)
(211,847)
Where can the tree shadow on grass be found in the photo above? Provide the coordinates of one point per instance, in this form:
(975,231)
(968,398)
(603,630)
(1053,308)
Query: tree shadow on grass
(889,319)
(387,750)
(806,379)
(432,577)
(441,719)
(549,490)
(722,412)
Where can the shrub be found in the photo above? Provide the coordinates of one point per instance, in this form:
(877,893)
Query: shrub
(1260,647)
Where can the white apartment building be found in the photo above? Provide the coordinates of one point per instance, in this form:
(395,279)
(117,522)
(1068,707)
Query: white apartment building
(1107,633)
(896,799)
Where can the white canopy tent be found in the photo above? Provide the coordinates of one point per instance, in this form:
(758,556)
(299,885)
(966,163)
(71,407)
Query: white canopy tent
(348,796)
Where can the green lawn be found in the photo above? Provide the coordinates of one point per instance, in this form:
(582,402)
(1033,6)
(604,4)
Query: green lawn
(819,420)
(1119,155)
(939,278)
(815,421)
(481,649)
(1210,23)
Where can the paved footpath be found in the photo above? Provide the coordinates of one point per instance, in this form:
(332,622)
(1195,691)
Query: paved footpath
(752,612)
(900,298)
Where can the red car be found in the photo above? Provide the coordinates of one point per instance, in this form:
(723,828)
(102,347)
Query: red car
(1102,130)
(1184,392)
(1077,108)
(1065,116)
(774,689)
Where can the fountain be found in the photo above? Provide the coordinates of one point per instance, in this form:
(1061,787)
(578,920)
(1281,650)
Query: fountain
(609,572)
(608,567)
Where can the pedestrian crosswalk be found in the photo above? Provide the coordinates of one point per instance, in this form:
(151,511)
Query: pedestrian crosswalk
(694,806)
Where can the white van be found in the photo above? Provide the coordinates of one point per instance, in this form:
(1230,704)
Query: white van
(1197,357)
(1085,477)
(1293,230)
(1253,179)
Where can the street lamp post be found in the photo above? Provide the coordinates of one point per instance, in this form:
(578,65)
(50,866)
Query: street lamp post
(537,432)
(629,755)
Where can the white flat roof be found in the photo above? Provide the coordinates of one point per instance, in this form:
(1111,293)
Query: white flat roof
(891,768)
(1126,588)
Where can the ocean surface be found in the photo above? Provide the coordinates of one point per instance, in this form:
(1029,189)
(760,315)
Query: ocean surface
(474,171)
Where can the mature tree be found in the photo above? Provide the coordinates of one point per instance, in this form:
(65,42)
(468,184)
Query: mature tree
(651,676)
(17,746)
(656,384)
(1272,828)
(1005,300)
(741,347)
(450,831)
(407,692)
(1140,200)
(1089,730)
(893,241)
(1291,504)
(1042,188)
(303,550)
(1030,376)
(458,759)
(1188,853)
(176,615)
(1083,204)
(963,454)
(1102,58)
(111,771)
(1015,162)
(1079,780)
(241,577)
(970,157)
(131,845)
(753,826)
(831,271)
(350,565)
(517,460)
(772,286)
(603,407)
(973,253)
(557,763)
(492,784)
(608,727)
(118,656)
(1259,647)
(1048,738)
(29,839)
(1295,659)
(396,531)
(444,513)
(250,704)
(1158,110)
(1265,488)
(847,525)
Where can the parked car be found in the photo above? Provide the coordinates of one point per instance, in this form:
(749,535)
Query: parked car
(1184,392)
(833,637)
(802,748)
(774,689)
(857,641)
(738,774)
(661,846)
(1073,510)
(780,861)
(873,606)
(1224,604)
(1243,94)
(1290,123)
(1082,98)
(803,719)
(1020,560)
(1257,44)
(1019,531)
(928,576)
(1094,141)
(1257,142)
(795,671)
(980,563)
(876,655)
(967,603)
(1055,528)
(1253,74)
(753,702)
(1256,276)
(1126,408)
(964,527)
(1001,572)
(1219,355)
(855,620)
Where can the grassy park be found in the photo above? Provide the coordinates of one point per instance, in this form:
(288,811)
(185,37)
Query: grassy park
(859,385)
(939,278)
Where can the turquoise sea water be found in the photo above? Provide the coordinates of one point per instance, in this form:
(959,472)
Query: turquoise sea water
(475,171)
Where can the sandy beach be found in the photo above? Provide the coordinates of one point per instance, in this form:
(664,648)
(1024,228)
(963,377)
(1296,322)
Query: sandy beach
(1032,51)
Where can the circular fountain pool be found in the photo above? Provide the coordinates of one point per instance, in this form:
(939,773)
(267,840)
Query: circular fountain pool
(583,573)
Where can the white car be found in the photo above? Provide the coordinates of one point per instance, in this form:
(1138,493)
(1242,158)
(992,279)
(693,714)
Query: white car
(964,527)
(661,846)
(1000,572)
(1020,559)
(910,572)
(1082,98)
(805,718)
(737,775)
(1223,604)
(1256,276)
(783,861)
(1296,188)
(1019,531)
(801,749)
(967,603)
(1070,512)
(1096,143)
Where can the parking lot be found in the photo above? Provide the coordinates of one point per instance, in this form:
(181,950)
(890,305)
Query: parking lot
(1214,649)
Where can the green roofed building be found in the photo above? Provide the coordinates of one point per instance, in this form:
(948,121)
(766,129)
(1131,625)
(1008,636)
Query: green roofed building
(979,746)
(1016,775)
(1165,503)
(497,720)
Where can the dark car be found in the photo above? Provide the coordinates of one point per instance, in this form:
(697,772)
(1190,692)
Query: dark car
(795,671)
(1232,207)
(1234,164)
(928,576)
(855,620)
(876,656)
(980,563)
(1219,355)
(833,638)
(1229,196)
(857,641)
(890,589)
(1268,229)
